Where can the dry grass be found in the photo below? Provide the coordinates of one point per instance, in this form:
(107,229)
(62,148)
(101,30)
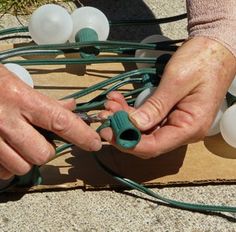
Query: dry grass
(19,7)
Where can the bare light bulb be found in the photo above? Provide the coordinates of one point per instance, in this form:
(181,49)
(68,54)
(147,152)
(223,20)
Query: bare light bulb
(228,126)
(215,127)
(151,53)
(232,88)
(143,96)
(92,19)
(21,72)
(50,24)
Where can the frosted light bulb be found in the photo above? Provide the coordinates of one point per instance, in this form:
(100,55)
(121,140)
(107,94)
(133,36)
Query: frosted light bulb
(92,19)
(215,127)
(142,97)
(151,53)
(50,24)
(232,88)
(228,126)
(21,72)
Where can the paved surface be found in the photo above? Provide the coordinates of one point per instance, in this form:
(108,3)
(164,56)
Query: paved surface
(78,210)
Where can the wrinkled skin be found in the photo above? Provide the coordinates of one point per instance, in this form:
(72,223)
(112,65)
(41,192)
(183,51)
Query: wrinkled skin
(22,108)
(185,103)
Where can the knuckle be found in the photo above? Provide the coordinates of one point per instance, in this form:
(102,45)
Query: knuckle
(61,122)
(20,171)
(178,74)
(197,132)
(5,175)
(43,156)
(3,123)
(200,128)
(86,144)
(201,132)
(156,105)
(2,128)
(147,156)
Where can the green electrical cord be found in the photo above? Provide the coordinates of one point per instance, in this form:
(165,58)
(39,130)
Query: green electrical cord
(98,102)
(134,76)
(110,81)
(162,45)
(16,30)
(134,185)
(147,21)
(13,30)
(64,61)
(131,184)
(182,205)
(102,46)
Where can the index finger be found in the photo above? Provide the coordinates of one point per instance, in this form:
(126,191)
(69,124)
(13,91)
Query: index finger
(47,113)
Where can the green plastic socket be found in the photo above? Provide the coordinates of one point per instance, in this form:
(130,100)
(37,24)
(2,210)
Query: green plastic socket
(86,35)
(126,134)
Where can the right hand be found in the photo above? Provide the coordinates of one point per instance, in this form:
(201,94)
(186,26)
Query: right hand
(183,106)
(22,108)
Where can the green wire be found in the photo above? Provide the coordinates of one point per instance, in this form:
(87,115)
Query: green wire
(13,30)
(179,204)
(65,61)
(110,81)
(62,148)
(98,102)
(147,21)
(21,179)
(95,105)
(141,188)
(22,29)
(111,46)
(116,46)
(120,84)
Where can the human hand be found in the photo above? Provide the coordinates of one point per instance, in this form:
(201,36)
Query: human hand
(22,108)
(184,105)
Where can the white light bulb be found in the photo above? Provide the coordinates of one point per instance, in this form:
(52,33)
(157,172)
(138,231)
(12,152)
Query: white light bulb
(142,97)
(232,88)
(215,127)
(21,72)
(50,24)
(228,126)
(90,17)
(151,53)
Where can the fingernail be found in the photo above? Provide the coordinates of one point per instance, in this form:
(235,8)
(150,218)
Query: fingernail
(140,118)
(105,104)
(96,145)
(108,96)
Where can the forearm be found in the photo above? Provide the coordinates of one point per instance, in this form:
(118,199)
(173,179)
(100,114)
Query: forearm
(215,19)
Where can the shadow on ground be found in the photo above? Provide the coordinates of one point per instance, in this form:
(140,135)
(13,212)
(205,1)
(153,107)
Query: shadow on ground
(123,10)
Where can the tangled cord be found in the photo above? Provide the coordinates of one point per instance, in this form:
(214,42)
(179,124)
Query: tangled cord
(145,77)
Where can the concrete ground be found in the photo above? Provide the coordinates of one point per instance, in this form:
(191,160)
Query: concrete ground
(78,210)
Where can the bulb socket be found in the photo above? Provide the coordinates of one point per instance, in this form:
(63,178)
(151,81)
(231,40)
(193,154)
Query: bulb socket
(126,134)
(87,35)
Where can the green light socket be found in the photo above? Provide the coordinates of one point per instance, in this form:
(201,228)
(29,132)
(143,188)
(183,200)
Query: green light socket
(127,136)
(86,35)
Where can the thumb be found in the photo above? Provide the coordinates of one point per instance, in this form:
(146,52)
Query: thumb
(157,106)
(150,113)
